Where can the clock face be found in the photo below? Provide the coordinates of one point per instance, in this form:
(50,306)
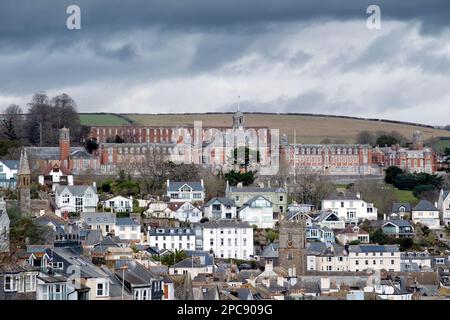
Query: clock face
(289,243)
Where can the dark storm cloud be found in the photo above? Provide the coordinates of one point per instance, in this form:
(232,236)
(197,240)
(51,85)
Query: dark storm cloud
(22,19)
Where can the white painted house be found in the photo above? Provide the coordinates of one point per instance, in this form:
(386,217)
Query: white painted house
(118,204)
(76,198)
(374,257)
(172,238)
(186,191)
(128,229)
(104,221)
(228,239)
(188,212)
(220,208)
(257,211)
(426,214)
(54,176)
(8,173)
(444,206)
(350,207)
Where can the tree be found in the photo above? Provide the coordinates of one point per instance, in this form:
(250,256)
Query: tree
(91,145)
(391,173)
(12,123)
(173,257)
(378,236)
(386,140)
(365,137)
(24,231)
(244,156)
(46,117)
(311,188)
(234,177)
(272,236)
(214,185)
(377,193)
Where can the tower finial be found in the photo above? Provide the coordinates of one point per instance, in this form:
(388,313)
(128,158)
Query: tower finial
(239,103)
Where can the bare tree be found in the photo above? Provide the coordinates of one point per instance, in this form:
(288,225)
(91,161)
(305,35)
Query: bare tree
(378,193)
(311,188)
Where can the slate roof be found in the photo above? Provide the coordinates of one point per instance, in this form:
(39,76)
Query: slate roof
(323,215)
(446,193)
(171,231)
(396,207)
(75,190)
(176,185)
(91,217)
(257,189)
(399,223)
(271,251)
(425,205)
(225,224)
(135,273)
(222,200)
(187,263)
(373,248)
(52,153)
(253,199)
(11,164)
(126,222)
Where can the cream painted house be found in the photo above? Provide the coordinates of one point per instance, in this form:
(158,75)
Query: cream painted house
(426,214)
(374,257)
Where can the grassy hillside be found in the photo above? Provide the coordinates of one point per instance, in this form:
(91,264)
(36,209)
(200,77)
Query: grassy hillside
(308,129)
(102,119)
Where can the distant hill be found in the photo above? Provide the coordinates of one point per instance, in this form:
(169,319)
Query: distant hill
(309,128)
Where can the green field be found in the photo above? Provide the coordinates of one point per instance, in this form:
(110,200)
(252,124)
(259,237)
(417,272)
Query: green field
(102,119)
(441,145)
(405,196)
(298,128)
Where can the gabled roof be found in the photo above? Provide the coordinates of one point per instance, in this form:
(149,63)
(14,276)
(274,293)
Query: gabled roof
(176,185)
(135,273)
(362,248)
(225,224)
(397,205)
(74,190)
(257,189)
(425,205)
(446,193)
(324,216)
(222,200)
(250,201)
(11,164)
(56,167)
(126,222)
(399,223)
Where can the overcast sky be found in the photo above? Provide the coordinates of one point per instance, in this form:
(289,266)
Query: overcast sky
(155,56)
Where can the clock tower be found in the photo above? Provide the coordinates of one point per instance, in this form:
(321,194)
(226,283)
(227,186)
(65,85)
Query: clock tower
(292,249)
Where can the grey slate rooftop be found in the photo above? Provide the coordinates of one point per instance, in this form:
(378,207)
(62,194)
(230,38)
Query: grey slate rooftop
(425,205)
(397,205)
(225,224)
(74,190)
(222,200)
(256,189)
(373,248)
(176,185)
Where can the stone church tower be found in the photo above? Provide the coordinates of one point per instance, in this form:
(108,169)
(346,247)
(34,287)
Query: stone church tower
(292,249)
(24,183)
(238,120)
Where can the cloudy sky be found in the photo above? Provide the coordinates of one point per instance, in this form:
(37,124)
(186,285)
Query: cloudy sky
(153,56)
